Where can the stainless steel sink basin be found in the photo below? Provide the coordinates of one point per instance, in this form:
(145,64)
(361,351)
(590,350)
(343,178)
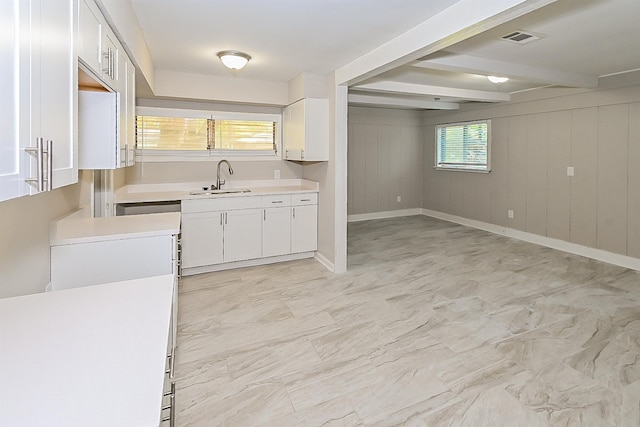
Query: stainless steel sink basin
(223,191)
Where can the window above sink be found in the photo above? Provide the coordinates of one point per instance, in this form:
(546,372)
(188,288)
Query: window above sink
(176,134)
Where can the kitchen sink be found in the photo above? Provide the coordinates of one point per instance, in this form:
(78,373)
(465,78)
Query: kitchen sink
(223,191)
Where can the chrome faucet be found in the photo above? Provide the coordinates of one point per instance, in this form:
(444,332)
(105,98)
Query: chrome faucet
(220,183)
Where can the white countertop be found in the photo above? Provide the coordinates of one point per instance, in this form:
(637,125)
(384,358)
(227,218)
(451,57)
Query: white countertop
(71,230)
(90,356)
(181,191)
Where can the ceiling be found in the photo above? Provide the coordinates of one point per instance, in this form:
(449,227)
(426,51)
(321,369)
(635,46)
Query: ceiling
(579,41)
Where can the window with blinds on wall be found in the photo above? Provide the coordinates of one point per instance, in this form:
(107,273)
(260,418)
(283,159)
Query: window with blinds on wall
(464,146)
(206,135)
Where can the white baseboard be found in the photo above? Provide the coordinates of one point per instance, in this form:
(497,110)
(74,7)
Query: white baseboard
(324,261)
(593,253)
(385,214)
(248,263)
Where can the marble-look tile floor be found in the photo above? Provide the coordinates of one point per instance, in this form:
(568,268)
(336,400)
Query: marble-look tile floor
(434,324)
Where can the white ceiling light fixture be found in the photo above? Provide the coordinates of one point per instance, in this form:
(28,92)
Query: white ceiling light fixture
(496,79)
(233,59)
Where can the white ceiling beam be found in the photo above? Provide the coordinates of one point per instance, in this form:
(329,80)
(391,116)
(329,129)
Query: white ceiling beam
(401,102)
(463,20)
(478,65)
(441,91)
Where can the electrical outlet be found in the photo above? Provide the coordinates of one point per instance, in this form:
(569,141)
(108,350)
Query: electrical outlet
(510,213)
(276,174)
(570,171)
(398,199)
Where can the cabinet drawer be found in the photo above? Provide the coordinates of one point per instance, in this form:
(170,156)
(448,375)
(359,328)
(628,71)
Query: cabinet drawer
(276,201)
(304,199)
(220,204)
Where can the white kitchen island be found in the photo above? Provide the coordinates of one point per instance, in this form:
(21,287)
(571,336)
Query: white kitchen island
(89,356)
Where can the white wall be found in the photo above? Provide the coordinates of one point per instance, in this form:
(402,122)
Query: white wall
(24,227)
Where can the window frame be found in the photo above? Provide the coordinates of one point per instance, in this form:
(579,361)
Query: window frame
(209,155)
(462,168)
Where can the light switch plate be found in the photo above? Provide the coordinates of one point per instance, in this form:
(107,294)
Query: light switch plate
(570,171)
(276,174)
(510,213)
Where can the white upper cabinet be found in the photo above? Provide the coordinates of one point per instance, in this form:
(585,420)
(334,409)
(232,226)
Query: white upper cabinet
(54,81)
(127,110)
(107,133)
(89,34)
(13,161)
(131,113)
(39,142)
(306,130)
(110,57)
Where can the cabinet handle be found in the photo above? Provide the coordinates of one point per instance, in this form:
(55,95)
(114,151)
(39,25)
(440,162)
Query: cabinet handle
(225,218)
(107,57)
(38,150)
(264,215)
(294,213)
(49,153)
(171,406)
(220,218)
(305,200)
(302,154)
(277,201)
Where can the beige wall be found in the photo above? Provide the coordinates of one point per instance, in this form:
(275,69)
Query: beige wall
(205,171)
(322,172)
(534,139)
(385,160)
(24,227)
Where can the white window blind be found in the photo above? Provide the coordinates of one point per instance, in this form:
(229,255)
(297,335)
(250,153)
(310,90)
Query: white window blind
(463,146)
(244,135)
(172,133)
(226,136)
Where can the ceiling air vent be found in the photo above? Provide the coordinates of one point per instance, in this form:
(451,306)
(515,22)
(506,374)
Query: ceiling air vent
(522,37)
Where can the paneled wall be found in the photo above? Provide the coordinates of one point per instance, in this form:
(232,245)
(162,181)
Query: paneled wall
(533,143)
(385,158)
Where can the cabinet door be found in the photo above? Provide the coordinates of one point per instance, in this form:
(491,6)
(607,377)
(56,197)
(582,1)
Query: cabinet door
(94,263)
(52,95)
(304,228)
(123,112)
(294,134)
(59,83)
(131,114)
(276,231)
(89,31)
(14,162)
(202,239)
(110,58)
(242,235)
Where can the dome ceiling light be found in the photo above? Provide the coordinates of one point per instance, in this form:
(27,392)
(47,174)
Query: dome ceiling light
(495,79)
(233,59)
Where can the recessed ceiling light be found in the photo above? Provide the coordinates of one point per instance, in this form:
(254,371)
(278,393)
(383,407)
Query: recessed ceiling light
(496,79)
(233,59)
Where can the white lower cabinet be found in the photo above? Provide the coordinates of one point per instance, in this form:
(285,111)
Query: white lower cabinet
(203,239)
(276,225)
(212,235)
(242,240)
(94,263)
(304,228)
(224,230)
